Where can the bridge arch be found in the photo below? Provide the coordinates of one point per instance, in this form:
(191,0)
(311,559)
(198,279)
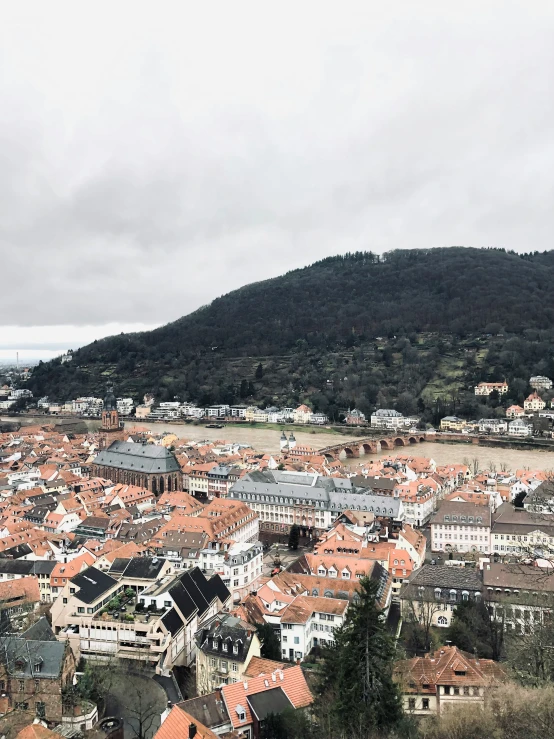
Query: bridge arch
(399,441)
(329,457)
(412,440)
(385,444)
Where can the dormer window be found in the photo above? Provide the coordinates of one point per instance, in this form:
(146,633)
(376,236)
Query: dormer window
(224,645)
(460,673)
(235,649)
(241,713)
(214,643)
(447,518)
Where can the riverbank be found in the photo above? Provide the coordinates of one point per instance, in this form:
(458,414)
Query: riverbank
(504,442)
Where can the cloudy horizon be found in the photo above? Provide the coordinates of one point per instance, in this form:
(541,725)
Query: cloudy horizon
(156,157)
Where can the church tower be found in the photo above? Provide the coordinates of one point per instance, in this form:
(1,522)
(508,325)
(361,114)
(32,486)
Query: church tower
(110,415)
(283,443)
(292,441)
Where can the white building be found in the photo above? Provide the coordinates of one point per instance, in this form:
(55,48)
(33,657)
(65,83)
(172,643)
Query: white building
(387,418)
(486,388)
(519,427)
(534,402)
(493,426)
(461,527)
(310,622)
(242,568)
(125,406)
(540,382)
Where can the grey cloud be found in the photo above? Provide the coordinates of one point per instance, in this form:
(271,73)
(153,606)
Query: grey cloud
(152,165)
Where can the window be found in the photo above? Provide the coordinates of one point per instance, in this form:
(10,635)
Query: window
(21,686)
(167,603)
(235,667)
(37,686)
(224,645)
(425,704)
(466,691)
(411,704)
(214,662)
(64,600)
(284,639)
(80,609)
(297,640)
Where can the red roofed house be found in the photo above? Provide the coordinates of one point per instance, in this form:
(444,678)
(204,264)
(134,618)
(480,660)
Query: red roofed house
(446,678)
(19,596)
(249,702)
(179,723)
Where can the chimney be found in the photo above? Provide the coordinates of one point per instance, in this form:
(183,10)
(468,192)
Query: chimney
(218,696)
(192,731)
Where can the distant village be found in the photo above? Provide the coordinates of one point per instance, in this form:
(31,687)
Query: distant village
(145,546)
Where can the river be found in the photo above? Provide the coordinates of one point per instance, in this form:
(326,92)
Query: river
(267,441)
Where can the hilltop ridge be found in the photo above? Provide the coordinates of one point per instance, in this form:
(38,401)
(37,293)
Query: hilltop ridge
(358,329)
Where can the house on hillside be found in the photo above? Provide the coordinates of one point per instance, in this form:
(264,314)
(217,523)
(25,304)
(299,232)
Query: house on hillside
(534,402)
(442,680)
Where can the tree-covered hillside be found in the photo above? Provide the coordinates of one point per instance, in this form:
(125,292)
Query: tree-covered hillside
(414,329)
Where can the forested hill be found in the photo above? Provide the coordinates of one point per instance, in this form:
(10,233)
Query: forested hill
(336,333)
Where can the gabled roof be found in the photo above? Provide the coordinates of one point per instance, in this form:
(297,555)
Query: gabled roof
(447,666)
(291,681)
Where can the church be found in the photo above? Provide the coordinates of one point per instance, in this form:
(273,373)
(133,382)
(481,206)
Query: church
(146,465)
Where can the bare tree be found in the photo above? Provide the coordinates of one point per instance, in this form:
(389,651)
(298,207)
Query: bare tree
(421,613)
(143,709)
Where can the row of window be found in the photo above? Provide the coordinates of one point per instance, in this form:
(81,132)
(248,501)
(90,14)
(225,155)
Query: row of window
(463,519)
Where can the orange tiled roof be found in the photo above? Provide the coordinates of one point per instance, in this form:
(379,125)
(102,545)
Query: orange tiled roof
(291,681)
(178,723)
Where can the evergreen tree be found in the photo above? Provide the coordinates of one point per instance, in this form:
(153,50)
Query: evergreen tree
(259,372)
(271,645)
(356,689)
(294,537)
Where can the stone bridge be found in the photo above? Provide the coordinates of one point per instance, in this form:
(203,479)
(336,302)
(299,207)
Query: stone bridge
(359,447)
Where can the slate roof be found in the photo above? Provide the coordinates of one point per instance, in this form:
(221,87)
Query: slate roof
(40,631)
(206,709)
(226,630)
(144,568)
(336,494)
(182,600)
(269,701)
(146,458)
(16,566)
(92,583)
(23,655)
(172,621)
(220,588)
(520,521)
(442,576)
(450,510)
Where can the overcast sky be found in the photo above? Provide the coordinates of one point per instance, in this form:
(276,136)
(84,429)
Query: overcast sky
(153,157)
